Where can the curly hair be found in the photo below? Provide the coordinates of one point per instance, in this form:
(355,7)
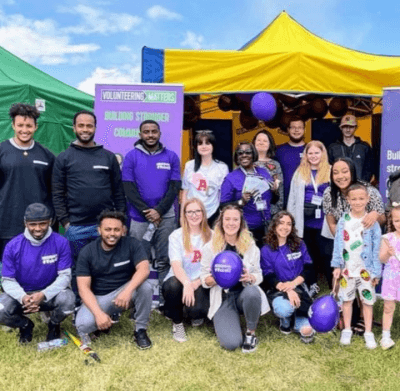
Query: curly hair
(389,224)
(271,238)
(24,110)
(244,236)
(111,214)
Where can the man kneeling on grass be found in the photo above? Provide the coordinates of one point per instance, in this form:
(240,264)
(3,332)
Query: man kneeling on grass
(36,276)
(111,274)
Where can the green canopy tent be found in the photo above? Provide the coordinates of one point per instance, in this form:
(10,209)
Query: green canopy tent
(22,82)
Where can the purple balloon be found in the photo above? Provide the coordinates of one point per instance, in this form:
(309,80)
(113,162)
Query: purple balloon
(263,106)
(227,269)
(323,314)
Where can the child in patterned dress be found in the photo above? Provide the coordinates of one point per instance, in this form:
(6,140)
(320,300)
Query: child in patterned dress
(389,254)
(356,260)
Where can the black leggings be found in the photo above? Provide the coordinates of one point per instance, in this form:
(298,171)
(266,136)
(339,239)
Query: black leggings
(172,290)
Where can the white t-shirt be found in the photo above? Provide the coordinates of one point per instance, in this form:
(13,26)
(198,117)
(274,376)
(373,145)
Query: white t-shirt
(353,244)
(205,184)
(190,262)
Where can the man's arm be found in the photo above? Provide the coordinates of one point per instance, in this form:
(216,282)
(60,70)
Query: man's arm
(117,186)
(133,196)
(141,274)
(166,202)
(103,320)
(59,191)
(62,282)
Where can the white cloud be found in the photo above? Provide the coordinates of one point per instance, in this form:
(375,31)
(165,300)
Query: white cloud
(98,21)
(127,74)
(39,41)
(123,48)
(159,12)
(192,40)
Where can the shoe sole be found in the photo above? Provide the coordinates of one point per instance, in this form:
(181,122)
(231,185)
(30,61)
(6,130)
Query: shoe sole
(143,347)
(249,350)
(285,332)
(388,347)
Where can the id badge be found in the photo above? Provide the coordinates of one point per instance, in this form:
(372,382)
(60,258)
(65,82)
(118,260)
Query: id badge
(318,213)
(261,205)
(316,200)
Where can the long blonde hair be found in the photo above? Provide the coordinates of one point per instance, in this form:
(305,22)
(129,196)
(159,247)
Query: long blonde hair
(324,169)
(204,228)
(244,236)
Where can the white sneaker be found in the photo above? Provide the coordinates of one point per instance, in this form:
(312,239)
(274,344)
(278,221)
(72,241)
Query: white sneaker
(387,343)
(345,337)
(370,340)
(85,339)
(178,332)
(197,322)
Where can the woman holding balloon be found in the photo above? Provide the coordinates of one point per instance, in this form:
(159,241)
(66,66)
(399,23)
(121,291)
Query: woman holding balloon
(249,187)
(231,238)
(287,269)
(182,288)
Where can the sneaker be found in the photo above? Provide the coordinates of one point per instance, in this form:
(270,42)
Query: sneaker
(54,331)
(85,339)
(285,330)
(141,339)
(370,340)
(26,332)
(345,337)
(178,332)
(250,343)
(307,338)
(45,316)
(197,322)
(387,343)
(314,290)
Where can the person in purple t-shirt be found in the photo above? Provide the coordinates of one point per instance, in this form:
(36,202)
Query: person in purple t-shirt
(250,187)
(305,203)
(36,276)
(286,268)
(152,180)
(289,154)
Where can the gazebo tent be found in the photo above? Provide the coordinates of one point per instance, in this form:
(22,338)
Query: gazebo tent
(21,82)
(284,57)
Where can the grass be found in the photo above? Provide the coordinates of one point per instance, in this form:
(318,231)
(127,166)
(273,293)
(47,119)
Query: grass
(280,362)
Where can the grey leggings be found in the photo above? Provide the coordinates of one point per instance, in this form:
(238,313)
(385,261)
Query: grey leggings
(227,318)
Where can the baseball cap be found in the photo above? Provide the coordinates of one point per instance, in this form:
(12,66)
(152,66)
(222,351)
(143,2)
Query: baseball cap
(348,120)
(37,212)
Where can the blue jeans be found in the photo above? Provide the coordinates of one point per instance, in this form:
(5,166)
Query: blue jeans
(11,311)
(284,310)
(79,236)
(141,299)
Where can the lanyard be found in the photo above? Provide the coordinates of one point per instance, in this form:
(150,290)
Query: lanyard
(314,184)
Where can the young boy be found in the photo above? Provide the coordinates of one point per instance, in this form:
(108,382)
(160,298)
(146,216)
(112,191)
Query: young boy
(356,259)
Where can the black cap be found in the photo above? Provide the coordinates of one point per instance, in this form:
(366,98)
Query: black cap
(37,212)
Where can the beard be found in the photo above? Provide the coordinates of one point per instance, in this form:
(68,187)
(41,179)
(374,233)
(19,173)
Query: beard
(85,141)
(296,139)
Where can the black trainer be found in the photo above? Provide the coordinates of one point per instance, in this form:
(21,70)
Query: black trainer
(285,330)
(249,343)
(142,340)
(54,331)
(26,332)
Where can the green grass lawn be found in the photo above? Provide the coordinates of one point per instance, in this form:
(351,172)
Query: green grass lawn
(280,362)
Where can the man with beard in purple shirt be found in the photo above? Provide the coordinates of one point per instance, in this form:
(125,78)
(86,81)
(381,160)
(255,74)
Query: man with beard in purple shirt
(36,276)
(289,154)
(152,180)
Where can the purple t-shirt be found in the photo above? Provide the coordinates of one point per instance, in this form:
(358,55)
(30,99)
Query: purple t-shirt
(309,191)
(283,263)
(231,190)
(36,267)
(151,174)
(289,157)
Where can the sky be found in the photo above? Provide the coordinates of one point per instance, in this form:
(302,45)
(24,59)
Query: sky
(86,42)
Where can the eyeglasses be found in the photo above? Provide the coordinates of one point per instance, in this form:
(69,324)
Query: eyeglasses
(245,152)
(192,213)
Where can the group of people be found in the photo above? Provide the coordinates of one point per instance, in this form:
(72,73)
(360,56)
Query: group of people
(291,213)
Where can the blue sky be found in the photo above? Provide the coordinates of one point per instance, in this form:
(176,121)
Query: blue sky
(86,42)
